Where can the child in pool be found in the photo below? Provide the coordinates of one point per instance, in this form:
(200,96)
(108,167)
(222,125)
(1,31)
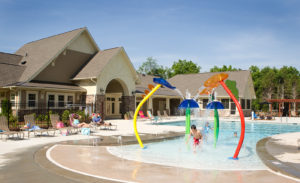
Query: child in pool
(207,128)
(197,136)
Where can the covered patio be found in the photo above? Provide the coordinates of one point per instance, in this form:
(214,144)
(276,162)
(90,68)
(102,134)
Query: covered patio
(284,106)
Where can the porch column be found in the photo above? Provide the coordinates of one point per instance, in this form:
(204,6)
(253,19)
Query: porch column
(128,104)
(279,109)
(100,105)
(168,105)
(150,105)
(289,109)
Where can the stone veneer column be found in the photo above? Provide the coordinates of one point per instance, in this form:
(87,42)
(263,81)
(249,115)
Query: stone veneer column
(128,104)
(100,105)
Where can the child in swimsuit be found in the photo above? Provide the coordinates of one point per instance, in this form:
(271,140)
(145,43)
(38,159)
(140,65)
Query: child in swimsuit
(196,135)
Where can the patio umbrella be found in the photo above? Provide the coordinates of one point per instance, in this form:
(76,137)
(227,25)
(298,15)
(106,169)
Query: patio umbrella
(187,104)
(215,105)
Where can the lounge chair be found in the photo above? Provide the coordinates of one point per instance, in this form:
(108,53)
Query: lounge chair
(54,118)
(226,113)
(131,115)
(71,120)
(166,114)
(102,125)
(269,117)
(5,129)
(32,127)
(159,115)
(142,116)
(151,117)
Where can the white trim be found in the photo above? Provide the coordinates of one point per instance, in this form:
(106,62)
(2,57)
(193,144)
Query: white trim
(56,95)
(15,99)
(36,93)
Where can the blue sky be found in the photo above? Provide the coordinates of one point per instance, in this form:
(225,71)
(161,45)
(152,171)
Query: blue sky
(231,32)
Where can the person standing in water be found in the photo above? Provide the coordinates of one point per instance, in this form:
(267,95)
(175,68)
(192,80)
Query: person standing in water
(196,135)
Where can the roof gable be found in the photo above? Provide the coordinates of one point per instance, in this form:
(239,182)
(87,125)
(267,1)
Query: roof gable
(193,82)
(99,62)
(10,70)
(38,54)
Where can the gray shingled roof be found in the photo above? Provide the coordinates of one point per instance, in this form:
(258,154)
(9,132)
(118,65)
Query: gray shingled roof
(97,63)
(148,79)
(193,82)
(37,54)
(10,70)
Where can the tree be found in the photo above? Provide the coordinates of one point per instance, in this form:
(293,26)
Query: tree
(283,83)
(184,67)
(149,66)
(223,69)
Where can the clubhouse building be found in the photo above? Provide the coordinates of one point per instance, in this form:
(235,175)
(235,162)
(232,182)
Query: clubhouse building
(69,70)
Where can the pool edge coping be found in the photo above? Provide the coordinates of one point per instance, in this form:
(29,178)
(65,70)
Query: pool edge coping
(268,160)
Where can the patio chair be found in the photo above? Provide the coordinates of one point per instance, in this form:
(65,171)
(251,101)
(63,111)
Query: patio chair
(71,120)
(131,115)
(159,115)
(5,129)
(226,113)
(142,116)
(151,117)
(293,114)
(32,128)
(54,118)
(166,114)
(261,116)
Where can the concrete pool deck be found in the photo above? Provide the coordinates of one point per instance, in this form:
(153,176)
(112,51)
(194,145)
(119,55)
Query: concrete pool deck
(281,153)
(31,162)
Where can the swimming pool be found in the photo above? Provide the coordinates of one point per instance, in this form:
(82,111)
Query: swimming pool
(177,153)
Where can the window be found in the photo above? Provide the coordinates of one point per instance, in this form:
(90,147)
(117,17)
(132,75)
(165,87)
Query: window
(248,104)
(205,101)
(51,100)
(61,100)
(13,99)
(225,103)
(243,101)
(31,100)
(2,94)
(70,100)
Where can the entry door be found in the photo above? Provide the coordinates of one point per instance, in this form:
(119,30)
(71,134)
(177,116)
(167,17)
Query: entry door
(113,104)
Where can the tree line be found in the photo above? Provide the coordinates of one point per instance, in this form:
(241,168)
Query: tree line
(269,83)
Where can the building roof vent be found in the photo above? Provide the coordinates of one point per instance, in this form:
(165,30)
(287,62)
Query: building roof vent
(24,62)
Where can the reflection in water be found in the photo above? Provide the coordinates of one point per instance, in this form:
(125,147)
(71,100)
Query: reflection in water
(137,164)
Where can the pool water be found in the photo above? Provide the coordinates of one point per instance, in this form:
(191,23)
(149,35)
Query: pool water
(177,153)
